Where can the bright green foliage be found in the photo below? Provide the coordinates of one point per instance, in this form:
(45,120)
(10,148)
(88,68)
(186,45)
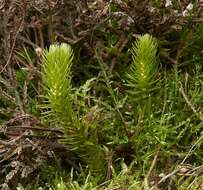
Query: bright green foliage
(110,119)
(57,62)
(83,142)
(141,76)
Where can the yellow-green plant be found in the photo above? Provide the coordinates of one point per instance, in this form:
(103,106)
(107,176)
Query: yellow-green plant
(57,62)
(143,70)
(59,94)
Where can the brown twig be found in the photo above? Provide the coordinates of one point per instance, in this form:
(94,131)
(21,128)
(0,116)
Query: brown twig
(151,168)
(36,128)
(189,103)
(109,166)
(166,177)
(13,47)
(165,55)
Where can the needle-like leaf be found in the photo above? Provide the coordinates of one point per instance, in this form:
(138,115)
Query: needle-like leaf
(57,62)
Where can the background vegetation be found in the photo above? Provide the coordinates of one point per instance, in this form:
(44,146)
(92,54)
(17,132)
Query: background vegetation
(101,95)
